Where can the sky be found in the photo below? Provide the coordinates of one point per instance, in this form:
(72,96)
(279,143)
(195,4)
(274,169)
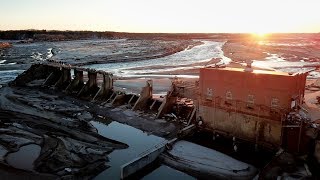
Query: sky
(168,16)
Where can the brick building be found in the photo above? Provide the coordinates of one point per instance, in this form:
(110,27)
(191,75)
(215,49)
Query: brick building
(248,104)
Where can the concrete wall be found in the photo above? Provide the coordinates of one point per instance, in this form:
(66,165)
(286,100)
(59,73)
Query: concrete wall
(140,162)
(261,131)
(145,96)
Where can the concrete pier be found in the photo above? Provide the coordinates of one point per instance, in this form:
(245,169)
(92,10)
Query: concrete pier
(105,89)
(166,105)
(65,78)
(142,161)
(145,95)
(77,83)
(119,99)
(52,78)
(169,101)
(91,87)
(133,99)
(155,105)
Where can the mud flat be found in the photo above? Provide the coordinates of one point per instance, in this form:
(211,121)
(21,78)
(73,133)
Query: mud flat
(54,148)
(242,51)
(292,47)
(63,135)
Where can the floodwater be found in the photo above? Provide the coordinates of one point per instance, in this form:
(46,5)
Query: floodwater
(200,53)
(139,143)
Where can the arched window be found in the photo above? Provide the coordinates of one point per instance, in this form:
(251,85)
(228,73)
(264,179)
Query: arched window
(228,98)
(209,94)
(274,103)
(228,95)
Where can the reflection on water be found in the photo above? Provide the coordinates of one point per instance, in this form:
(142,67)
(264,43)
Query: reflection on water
(166,173)
(137,140)
(24,158)
(3,152)
(139,143)
(278,63)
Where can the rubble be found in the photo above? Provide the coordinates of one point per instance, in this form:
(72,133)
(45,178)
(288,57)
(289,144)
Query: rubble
(62,146)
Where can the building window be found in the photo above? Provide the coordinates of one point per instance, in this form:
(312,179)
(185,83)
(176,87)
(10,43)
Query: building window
(228,95)
(274,103)
(209,94)
(250,101)
(229,98)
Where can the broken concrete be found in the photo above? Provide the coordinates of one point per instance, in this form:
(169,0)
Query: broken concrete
(167,104)
(64,79)
(77,83)
(145,95)
(106,87)
(90,89)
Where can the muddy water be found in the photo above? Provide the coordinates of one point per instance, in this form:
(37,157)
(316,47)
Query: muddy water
(138,141)
(20,56)
(200,53)
(24,158)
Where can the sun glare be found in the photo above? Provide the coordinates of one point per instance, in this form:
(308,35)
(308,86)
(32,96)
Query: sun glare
(260,34)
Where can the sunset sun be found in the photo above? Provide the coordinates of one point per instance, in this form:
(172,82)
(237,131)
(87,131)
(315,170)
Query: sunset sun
(260,35)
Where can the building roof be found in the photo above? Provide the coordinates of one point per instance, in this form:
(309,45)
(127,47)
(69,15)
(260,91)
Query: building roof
(254,71)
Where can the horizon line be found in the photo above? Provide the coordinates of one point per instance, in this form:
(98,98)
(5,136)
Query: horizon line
(158,32)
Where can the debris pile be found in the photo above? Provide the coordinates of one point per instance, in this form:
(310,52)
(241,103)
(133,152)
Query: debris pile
(66,151)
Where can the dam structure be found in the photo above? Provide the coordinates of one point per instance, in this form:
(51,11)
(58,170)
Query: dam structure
(262,108)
